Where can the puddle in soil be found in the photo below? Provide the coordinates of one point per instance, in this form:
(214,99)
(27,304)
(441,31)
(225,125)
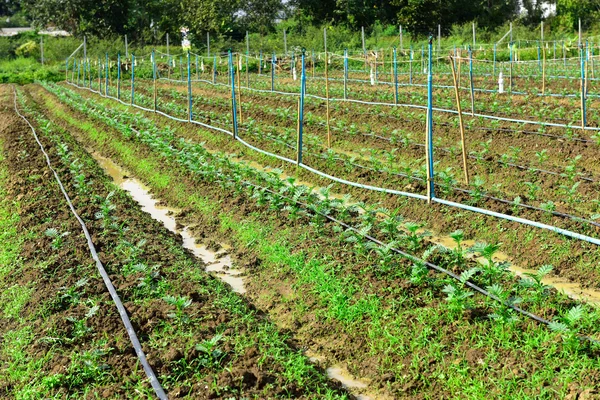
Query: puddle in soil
(341,374)
(571,289)
(219,263)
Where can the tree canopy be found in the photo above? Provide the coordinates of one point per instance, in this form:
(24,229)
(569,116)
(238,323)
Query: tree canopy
(149,20)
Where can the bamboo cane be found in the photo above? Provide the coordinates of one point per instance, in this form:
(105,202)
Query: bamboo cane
(460,121)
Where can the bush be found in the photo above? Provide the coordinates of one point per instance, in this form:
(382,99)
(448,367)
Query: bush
(27,49)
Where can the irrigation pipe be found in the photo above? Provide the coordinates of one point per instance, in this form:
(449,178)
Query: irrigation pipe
(411,177)
(521,167)
(113,293)
(483,211)
(416,259)
(403,254)
(486,116)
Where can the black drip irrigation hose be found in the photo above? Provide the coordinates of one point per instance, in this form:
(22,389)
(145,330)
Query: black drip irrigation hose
(410,257)
(415,259)
(113,293)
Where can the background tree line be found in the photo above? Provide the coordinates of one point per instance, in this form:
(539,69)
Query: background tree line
(147,22)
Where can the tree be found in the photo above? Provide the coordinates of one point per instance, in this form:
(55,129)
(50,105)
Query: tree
(568,13)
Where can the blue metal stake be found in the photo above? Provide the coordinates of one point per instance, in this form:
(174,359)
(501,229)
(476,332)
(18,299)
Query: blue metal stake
(395,77)
(273,61)
(215,70)
(233,103)
(583,94)
(410,65)
(119,76)
(132,78)
(345,74)
(494,60)
(78,68)
(471,79)
(301,109)
(106,76)
(430,119)
(189,81)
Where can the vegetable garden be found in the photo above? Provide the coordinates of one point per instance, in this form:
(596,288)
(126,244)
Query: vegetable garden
(405,226)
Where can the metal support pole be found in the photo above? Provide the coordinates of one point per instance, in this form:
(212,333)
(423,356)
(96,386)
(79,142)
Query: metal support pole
(401,43)
(154,97)
(327,87)
(42,49)
(345,74)
(395,77)
(301,109)
(363,39)
(233,103)
(215,70)
(132,78)
(471,81)
(429,138)
(273,61)
(208,44)
(106,76)
(119,76)
(189,82)
(247,54)
(285,42)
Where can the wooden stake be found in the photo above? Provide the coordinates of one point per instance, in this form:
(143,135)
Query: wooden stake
(460,121)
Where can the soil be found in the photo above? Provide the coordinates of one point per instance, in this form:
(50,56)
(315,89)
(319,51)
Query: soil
(275,293)
(43,207)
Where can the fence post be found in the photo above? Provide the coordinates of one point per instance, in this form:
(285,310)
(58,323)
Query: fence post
(301,109)
(90,73)
(78,67)
(132,78)
(197,71)
(260,61)
(189,82)
(429,137)
(233,103)
(285,42)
